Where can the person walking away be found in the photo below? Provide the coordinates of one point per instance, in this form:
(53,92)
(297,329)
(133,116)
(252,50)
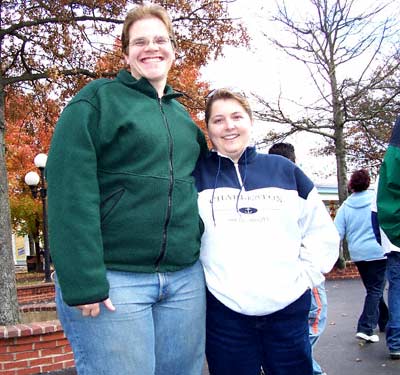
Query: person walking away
(353,220)
(268,240)
(123,218)
(388,247)
(388,202)
(319,302)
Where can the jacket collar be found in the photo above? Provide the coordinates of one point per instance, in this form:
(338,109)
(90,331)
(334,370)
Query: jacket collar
(248,155)
(144,86)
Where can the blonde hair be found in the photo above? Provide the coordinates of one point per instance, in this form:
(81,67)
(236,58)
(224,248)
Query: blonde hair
(226,94)
(142,12)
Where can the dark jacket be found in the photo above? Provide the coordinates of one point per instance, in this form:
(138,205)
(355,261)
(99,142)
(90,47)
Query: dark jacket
(120,191)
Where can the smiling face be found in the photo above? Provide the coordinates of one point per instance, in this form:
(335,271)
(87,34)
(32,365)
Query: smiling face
(229,128)
(150,52)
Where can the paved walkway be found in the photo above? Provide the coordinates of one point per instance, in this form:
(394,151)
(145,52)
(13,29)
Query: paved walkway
(338,351)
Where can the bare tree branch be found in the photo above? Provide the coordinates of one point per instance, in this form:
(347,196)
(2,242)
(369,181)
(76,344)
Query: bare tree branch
(330,37)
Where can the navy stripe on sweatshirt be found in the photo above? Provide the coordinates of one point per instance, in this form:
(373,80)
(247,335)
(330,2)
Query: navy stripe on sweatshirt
(257,171)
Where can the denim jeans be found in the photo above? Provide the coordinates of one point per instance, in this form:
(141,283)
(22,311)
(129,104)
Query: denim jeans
(393,325)
(158,326)
(317,319)
(238,344)
(373,276)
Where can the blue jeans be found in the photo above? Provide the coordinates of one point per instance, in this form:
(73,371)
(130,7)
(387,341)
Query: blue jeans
(238,344)
(373,276)
(393,325)
(158,326)
(317,319)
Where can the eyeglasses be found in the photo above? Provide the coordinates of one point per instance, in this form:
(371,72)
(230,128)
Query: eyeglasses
(160,41)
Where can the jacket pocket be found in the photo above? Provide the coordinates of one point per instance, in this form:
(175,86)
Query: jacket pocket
(109,204)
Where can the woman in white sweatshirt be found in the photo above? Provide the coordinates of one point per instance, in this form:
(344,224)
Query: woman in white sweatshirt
(268,240)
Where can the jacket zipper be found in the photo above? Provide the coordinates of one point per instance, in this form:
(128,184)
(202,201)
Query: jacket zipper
(170,190)
(238,175)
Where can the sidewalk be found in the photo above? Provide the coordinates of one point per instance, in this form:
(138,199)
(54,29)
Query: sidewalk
(338,351)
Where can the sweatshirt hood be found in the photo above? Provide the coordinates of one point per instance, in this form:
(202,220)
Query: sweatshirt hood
(359,199)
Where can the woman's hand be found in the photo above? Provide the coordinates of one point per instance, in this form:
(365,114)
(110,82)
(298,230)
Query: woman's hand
(93,309)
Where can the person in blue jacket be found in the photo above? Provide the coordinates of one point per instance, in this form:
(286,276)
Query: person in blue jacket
(353,221)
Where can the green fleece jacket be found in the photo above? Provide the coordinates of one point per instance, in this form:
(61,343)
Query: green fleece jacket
(388,198)
(120,191)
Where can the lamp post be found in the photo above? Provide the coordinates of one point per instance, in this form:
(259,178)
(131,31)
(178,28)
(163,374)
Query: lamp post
(32,179)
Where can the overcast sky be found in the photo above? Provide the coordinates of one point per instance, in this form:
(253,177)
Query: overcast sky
(266,71)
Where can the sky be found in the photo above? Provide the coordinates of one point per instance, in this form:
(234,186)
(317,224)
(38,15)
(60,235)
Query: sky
(266,71)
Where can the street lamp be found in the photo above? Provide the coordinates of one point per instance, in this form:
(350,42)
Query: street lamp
(32,179)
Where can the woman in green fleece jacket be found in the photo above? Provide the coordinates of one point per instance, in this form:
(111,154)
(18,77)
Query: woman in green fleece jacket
(123,220)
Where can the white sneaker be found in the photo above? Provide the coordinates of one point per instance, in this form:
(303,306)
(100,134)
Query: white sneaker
(364,336)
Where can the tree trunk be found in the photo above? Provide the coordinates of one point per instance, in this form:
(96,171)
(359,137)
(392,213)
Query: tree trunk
(340,147)
(340,153)
(9,313)
(341,167)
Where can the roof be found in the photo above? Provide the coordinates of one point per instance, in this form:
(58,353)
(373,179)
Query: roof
(327,192)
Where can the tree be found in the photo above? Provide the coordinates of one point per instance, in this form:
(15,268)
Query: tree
(369,137)
(30,120)
(58,43)
(332,37)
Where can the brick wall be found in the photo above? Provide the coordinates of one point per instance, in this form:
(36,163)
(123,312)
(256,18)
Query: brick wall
(29,276)
(35,293)
(34,349)
(349,272)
